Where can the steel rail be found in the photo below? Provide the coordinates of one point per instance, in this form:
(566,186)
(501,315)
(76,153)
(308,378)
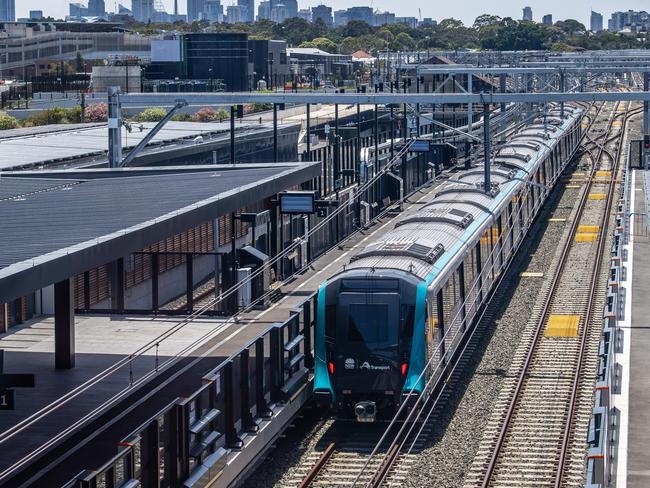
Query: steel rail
(321,462)
(539,328)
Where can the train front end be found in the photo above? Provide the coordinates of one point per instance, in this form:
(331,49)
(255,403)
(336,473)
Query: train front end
(364,339)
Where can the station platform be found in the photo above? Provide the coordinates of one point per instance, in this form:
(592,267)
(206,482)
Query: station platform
(633,404)
(61,409)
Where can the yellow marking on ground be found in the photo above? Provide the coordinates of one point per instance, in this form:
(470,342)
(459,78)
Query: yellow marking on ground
(597,196)
(586,237)
(562,326)
(579,174)
(556,219)
(531,274)
(603,174)
(572,186)
(589,228)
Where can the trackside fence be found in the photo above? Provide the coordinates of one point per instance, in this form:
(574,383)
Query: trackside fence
(191,440)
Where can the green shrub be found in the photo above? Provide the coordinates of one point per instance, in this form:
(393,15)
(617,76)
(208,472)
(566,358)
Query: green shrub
(153,114)
(57,115)
(7,121)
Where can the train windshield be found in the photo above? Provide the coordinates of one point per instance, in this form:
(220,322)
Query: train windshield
(368,324)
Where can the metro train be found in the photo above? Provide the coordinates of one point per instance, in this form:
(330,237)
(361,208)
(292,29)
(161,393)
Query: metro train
(389,323)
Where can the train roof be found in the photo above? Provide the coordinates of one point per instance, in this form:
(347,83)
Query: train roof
(460,208)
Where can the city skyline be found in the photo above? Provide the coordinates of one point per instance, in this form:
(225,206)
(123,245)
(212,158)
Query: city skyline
(560,9)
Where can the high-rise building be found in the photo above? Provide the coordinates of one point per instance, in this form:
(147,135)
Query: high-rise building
(596,22)
(8,10)
(363,14)
(279,12)
(292,7)
(77,10)
(324,13)
(96,8)
(143,10)
(547,19)
(383,18)
(249,6)
(236,14)
(213,11)
(528,14)
(340,18)
(36,14)
(195,10)
(305,14)
(264,10)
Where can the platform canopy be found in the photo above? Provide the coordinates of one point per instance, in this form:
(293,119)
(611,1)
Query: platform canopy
(57,224)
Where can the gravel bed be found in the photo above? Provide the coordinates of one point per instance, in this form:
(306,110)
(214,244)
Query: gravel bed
(449,453)
(278,468)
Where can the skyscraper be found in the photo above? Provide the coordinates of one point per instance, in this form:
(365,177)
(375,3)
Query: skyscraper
(528,14)
(143,10)
(195,10)
(324,13)
(249,6)
(96,8)
(596,22)
(547,19)
(8,10)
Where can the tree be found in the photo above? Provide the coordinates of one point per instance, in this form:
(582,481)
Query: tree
(356,28)
(322,43)
(403,42)
(80,64)
(571,27)
(486,20)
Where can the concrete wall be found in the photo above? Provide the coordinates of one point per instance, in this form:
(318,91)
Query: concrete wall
(126,77)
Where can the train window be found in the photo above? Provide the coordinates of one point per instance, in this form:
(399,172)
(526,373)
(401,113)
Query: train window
(330,320)
(369,324)
(511,230)
(407,318)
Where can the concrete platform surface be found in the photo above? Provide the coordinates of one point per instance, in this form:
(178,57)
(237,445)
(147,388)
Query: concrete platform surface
(638,433)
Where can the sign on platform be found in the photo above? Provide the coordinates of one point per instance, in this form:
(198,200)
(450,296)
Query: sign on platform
(7,399)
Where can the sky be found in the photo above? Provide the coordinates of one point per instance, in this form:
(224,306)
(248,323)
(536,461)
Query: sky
(466,10)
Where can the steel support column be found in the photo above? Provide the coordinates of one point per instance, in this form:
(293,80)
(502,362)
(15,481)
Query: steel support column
(562,89)
(502,89)
(275,132)
(307,136)
(114,127)
(64,344)
(470,105)
(646,105)
(487,149)
(232,134)
(117,285)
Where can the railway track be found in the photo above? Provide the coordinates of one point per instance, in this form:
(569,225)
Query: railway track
(538,435)
(339,457)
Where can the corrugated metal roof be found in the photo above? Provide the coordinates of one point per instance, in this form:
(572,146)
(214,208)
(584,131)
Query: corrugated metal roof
(56,218)
(40,148)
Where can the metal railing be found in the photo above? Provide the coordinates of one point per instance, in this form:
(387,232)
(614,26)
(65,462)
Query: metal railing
(192,439)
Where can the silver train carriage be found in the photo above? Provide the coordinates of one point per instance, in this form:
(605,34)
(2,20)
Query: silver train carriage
(392,319)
